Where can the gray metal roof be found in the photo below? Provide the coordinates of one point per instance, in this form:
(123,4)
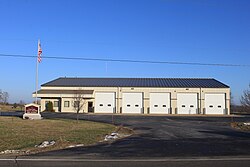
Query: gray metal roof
(137,82)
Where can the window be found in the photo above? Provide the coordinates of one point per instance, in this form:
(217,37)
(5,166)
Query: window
(164,105)
(156,105)
(219,106)
(128,105)
(211,106)
(101,105)
(66,103)
(56,103)
(183,106)
(136,105)
(191,106)
(109,105)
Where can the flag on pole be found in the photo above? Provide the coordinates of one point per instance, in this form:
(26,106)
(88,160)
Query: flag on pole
(39,58)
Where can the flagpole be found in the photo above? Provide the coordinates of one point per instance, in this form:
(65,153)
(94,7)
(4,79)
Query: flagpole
(37,75)
(36,79)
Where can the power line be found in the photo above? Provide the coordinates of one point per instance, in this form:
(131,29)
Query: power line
(128,60)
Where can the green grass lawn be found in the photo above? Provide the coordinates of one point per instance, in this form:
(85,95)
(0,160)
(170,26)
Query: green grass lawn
(16,133)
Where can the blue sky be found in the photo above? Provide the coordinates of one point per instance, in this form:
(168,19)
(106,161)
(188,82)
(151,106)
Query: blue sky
(204,31)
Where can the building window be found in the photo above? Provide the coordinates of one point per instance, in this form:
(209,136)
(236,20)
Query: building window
(66,103)
(56,103)
(109,105)
(164,105)
(100,105)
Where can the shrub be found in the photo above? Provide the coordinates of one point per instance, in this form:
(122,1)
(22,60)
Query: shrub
(49,107)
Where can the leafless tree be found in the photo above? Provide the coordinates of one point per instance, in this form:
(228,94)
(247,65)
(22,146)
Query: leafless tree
(245,99)
(78,102)
(1,96)
(4,96)
(21,104)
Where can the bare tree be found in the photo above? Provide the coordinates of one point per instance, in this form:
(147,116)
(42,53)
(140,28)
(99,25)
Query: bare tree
(21,104)
(78,102)
(4,96)
(231,99)
(245,99)
(1,96)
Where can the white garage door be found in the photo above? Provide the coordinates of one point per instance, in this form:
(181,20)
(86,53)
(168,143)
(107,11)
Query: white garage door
(104,102)
(187,103)
(132,103)
(160,103)
(215,103)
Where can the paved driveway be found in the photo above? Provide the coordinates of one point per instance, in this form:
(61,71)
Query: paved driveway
(164,136)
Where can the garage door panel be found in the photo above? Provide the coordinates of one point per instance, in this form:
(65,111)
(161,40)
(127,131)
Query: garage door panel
(187,103)
(132,103)
(159,103)
(215,103)
(104,102)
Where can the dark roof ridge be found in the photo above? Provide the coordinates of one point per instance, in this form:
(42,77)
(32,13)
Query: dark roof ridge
(131,78)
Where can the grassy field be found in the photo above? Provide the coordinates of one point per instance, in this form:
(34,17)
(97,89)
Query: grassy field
(11,108)
(16,133)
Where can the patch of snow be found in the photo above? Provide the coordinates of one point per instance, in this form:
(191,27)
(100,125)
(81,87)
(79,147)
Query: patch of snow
(46,144)
(14,152)
(112,136)
(77,145)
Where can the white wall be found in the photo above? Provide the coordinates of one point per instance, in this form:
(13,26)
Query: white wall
(146,96)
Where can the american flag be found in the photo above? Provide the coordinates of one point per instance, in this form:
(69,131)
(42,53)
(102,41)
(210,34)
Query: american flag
(39,58)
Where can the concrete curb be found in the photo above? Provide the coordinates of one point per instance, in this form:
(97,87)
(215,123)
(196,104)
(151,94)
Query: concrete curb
(141,159)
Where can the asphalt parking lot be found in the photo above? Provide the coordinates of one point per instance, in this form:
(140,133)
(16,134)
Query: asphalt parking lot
(164,136)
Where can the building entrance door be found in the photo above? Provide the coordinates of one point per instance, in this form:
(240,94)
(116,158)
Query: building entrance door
(90,107)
